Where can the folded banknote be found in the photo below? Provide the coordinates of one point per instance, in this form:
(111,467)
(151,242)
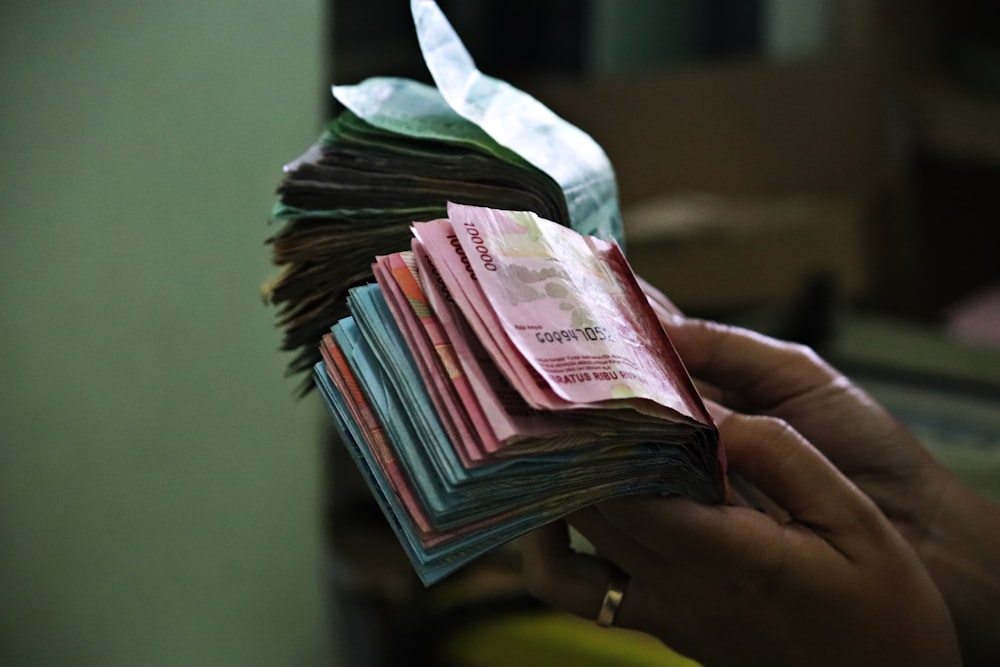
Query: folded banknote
(504,371)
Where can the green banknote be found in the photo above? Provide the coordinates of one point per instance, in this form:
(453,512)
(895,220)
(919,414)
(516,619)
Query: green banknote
(401,149)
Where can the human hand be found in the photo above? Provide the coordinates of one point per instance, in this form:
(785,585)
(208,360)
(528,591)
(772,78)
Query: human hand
(757,374)
(955,532)
(728,585)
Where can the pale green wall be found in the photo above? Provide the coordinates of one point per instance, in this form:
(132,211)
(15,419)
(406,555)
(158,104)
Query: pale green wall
(158,482)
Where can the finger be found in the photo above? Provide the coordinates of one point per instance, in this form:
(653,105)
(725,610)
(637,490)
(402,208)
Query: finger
(626,554)
(663,306)
(786,468)
(750,365)
(739,490)
(775,459)
(564,578)
(613,544)
(708,391)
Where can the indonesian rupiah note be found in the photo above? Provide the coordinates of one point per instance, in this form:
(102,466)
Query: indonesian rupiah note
(561,312)
(541,306)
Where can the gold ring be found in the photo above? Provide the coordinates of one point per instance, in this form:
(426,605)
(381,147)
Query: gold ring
(612,599)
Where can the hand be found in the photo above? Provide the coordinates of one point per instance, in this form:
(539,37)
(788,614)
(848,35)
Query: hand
(728,585)
(955,532)
(754,373)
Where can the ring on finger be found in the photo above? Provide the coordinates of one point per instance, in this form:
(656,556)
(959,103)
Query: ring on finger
(612,599)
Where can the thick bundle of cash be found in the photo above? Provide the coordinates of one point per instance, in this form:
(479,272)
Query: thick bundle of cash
(502,372)
(401,149)
(497,365)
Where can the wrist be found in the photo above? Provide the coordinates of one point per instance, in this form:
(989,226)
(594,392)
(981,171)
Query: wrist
(961,551)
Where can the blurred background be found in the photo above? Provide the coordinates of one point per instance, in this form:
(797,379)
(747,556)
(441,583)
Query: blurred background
(823,170)
(159,484)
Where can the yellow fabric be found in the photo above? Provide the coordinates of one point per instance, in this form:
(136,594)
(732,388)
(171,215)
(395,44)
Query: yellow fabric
(553,639)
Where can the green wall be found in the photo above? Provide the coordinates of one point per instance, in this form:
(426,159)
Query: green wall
(159,484)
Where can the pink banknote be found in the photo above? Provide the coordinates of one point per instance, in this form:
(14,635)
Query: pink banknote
(512,419)
(562,312)
(449,388)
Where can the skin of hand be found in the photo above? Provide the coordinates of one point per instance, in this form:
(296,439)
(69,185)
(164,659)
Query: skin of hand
(955,532)
(835,584)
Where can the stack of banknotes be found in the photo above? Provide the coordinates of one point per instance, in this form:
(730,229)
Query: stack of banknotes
(501,372)
(401,149)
